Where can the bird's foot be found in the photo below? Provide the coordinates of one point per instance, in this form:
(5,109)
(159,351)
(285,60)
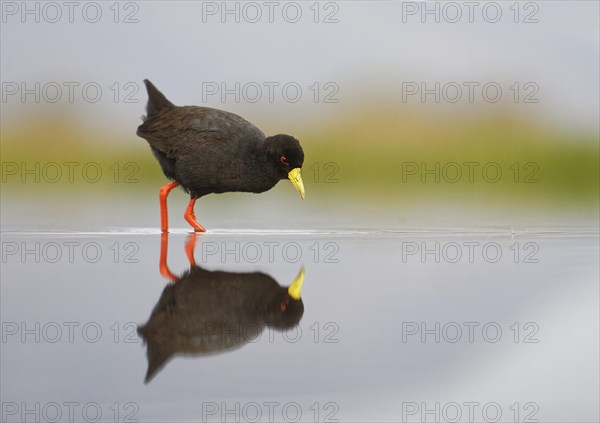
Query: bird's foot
(197,227)
(190,217)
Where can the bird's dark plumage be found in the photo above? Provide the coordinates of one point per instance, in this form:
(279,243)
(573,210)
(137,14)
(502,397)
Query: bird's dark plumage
(157,102)
(213,151)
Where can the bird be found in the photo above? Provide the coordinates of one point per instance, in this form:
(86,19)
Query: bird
(207,312)
(211,151)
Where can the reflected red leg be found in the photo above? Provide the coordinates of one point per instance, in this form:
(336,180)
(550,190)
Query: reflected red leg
(191,217)
(162,262)
(190,245)
(162,195)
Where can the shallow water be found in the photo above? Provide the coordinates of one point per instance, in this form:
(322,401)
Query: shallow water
(409,324)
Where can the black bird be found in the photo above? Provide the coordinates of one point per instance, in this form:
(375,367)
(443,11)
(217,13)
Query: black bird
(209,151)
(209,312)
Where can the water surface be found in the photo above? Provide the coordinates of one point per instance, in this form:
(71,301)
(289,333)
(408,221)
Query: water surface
(481,320)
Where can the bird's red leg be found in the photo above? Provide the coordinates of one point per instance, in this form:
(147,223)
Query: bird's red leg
(190,245)
(162,195)
(191,217)
(162,262)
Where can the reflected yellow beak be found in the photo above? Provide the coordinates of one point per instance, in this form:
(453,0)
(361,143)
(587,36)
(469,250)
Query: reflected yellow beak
(296,286)
(296,180)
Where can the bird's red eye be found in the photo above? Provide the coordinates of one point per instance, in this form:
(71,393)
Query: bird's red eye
(283,160)
(283,305)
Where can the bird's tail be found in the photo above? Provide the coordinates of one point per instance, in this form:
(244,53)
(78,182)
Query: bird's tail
(157,102)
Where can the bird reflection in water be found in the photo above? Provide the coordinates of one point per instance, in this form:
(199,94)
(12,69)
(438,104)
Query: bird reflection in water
(206,312)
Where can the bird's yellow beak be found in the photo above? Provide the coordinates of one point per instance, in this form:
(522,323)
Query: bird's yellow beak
(296,180)
(296,286)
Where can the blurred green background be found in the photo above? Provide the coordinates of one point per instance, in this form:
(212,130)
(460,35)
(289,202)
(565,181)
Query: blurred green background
(370,146)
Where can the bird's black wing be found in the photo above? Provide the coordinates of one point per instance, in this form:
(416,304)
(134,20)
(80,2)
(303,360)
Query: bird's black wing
(178,129)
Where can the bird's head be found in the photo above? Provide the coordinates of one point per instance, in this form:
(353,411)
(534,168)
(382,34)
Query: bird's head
(286,156)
